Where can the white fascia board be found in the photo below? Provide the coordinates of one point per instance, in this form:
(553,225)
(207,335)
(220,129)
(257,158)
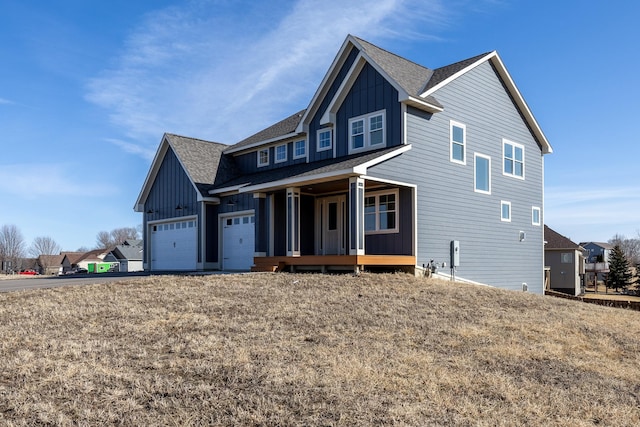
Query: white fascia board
(214,200)
(421,104)
(456,75)
(300,181)
(259,143)
(361,169)
(522,104)
(513,90)
(329,115)
(339,59)
(230,189)
(151,174)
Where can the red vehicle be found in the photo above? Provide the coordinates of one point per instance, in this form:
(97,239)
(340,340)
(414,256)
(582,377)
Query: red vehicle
(28,272)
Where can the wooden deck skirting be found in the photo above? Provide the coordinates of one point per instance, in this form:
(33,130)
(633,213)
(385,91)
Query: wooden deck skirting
(278,263)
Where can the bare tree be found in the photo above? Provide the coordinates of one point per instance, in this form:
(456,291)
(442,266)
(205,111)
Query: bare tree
(120,235)
(11,247)
(117,236)
(103,240)
(44,246)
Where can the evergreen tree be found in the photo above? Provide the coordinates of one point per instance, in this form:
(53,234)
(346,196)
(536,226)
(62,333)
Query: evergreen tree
(619,272)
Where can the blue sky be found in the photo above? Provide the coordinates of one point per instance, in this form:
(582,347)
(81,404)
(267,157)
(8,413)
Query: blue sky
(87,88)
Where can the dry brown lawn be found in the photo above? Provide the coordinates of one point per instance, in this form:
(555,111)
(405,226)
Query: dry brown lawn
(285,349)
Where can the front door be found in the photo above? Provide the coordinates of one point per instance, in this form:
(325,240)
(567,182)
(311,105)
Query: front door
(331,221)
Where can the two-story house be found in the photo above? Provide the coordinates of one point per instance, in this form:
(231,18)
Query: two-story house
(391,164)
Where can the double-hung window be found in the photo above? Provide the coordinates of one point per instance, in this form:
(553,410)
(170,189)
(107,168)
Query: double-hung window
(325,139)
(281,153)
(458,142)
(263,157)
(381,212)
(367,132)
(300,149)
(513,159)
(482,176)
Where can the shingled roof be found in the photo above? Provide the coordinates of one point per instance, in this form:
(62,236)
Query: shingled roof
(301,171)
(283,127)
(202,160)
(556,240)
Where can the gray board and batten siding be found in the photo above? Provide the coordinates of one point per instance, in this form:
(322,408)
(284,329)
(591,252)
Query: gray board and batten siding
(448,208)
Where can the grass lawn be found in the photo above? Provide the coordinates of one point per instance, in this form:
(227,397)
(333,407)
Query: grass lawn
(293,349)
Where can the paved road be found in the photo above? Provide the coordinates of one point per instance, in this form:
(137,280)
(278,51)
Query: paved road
(44,282)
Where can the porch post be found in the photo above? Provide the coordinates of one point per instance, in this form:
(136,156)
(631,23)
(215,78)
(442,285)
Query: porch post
(356,216)
(293,221)
(260,223)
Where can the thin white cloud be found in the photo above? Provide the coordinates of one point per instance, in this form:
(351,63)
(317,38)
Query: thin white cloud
(129,147)
(4,101)
(33,181)
(209,72)
(593,214)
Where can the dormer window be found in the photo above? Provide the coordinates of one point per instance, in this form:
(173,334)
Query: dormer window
(325,137)
(263,157)
(281,153)
(367,132)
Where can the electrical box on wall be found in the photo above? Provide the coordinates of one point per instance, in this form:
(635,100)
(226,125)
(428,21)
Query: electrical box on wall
(455,253)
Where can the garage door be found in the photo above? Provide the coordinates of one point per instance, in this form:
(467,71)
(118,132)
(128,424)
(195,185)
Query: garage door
(238,242)
(174,245)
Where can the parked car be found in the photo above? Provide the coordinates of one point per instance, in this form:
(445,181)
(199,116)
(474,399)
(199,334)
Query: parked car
(78,270)
(28,272)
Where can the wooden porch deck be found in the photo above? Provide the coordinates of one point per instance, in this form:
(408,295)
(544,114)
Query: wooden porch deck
(324,262)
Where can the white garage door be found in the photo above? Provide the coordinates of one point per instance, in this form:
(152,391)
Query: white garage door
(238,242)
(174,245)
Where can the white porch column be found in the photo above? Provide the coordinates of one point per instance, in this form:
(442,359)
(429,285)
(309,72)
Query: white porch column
(293,221)
(356,216)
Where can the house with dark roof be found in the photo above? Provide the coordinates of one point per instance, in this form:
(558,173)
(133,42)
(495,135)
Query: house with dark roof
(128,255)
(390,165)
(565,262)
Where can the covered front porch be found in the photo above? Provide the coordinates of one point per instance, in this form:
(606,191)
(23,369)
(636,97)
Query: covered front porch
(345,224)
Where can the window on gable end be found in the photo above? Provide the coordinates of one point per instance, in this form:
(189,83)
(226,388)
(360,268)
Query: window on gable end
(513,154)
(482,175)
(505,211)
(458,142)
(535,215)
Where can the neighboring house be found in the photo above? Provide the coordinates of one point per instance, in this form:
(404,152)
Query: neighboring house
(52,264)
(597,266)
(391,164)
(565,261)
(93,261)
(128,256)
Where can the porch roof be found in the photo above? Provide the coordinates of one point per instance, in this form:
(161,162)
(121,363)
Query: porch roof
(308,172)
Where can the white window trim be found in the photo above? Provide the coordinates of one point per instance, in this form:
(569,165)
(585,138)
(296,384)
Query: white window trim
(475,184)
(300,156)
(536,209)
(260,164)
(464,142)
(330,146)
(502,204)
(275,154)
(514,144)
(367,134)
(377,195)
